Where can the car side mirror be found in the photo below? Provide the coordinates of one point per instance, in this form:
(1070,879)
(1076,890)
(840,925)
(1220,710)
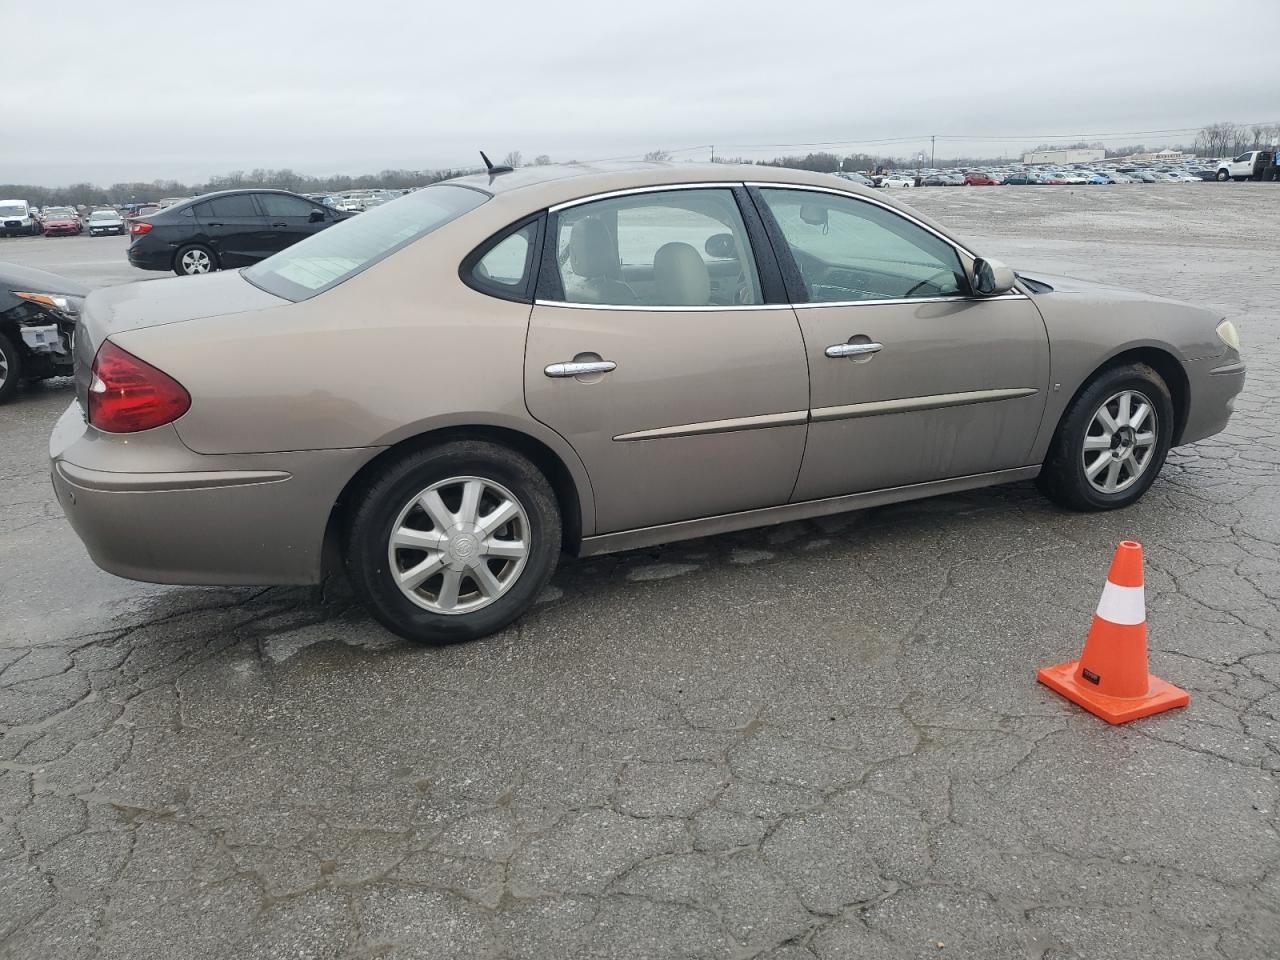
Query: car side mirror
(813,214)
(992,278)
(317,216)
(720,246)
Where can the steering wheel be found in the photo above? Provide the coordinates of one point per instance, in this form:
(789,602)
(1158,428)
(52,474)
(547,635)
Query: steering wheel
(929,280)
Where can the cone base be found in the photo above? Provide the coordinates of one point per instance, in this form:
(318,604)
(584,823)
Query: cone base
(1160,695)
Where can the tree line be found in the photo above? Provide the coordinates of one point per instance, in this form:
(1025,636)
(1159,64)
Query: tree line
(90,194)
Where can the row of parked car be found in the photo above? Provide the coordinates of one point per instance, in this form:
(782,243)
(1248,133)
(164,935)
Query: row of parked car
(18,218)
(1254,165)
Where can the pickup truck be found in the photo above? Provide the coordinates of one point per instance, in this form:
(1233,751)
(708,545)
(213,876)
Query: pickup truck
(1252,165)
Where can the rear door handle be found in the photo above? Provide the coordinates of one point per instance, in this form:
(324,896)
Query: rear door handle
(578,368)
(837,350)
(279,224)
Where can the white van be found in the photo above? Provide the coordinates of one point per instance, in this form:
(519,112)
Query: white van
(17,219)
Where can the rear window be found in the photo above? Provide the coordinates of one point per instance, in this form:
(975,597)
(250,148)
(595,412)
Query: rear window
(233,205)
(323,260)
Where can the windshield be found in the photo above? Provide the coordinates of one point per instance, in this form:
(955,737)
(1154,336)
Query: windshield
(104,215)
(12,210)
(325,259)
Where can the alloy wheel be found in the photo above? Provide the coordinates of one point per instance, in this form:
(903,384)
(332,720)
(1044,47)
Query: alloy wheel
(459,545)
(1120,442)
(196,261)
(4,368)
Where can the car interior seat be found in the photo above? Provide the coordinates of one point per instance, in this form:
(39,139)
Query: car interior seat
(680,276)
(594,259)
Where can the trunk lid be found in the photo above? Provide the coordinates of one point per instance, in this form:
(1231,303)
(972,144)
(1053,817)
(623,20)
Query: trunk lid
(152,303)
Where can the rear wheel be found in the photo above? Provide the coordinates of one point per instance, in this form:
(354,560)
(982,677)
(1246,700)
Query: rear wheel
(1112,441)
(194,259)
(453,542)
(10,368)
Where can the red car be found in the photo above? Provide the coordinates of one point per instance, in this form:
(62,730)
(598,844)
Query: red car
(62,224)
(980,180)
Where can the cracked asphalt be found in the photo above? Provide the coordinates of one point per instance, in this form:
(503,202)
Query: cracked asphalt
(819,740)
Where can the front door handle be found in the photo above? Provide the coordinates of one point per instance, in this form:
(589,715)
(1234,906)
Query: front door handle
(837,350)
(579,368)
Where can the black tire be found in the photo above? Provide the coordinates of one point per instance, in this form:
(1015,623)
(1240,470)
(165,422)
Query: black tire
(1223,176)
(10,368)
(376,506)
(194,248)
(1063,478)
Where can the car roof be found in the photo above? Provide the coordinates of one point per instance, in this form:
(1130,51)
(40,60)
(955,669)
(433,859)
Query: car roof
(540,186)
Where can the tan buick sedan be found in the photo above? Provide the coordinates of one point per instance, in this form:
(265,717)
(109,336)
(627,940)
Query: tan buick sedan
(444,392)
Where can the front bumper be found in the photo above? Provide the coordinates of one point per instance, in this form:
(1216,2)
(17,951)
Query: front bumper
(148,508)
(1214,384)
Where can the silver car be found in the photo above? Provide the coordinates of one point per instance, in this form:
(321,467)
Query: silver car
(103,222)
(443,393)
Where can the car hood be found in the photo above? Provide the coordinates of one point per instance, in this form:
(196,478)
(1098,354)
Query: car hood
(1125,318)
(151,303)
(14,277)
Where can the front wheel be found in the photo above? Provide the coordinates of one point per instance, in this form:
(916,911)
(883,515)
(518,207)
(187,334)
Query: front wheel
(453,542)
(193,260)
(10,368)
(1112,441)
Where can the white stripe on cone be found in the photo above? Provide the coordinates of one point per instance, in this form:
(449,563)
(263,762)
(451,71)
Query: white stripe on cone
(1123,605)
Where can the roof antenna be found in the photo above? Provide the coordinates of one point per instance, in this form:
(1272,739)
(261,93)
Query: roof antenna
(494,171)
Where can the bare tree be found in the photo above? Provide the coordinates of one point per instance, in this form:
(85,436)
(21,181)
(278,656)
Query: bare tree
(658,155)
(512,159)
(541,160)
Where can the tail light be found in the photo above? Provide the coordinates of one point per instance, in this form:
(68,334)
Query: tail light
(127,395)
(138,227)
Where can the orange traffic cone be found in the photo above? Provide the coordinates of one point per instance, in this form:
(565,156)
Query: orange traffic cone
(1110,679)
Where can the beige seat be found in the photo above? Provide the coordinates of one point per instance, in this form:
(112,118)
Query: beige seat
(680,276)
(593,258)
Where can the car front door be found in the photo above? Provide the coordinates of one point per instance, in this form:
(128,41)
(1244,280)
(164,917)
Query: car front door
(291,218)
(912,379)
(654,350)
(236,229)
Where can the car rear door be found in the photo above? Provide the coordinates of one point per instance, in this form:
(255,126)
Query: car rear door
(662,349)
(911,378)
(290,218)
(236,229)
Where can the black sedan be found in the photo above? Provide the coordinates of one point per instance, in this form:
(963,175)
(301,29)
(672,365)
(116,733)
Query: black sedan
(38,315)
(227,229)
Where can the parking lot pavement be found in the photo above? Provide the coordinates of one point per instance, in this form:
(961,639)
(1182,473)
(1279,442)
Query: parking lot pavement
(93,261)
(822,739)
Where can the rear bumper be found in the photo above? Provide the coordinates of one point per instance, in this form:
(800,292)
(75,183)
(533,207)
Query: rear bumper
(146,256)
(159,512)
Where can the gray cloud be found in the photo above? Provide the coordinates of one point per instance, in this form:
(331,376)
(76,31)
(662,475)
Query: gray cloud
(153,89)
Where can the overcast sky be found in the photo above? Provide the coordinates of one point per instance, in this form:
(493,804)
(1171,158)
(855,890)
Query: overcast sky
(139,90)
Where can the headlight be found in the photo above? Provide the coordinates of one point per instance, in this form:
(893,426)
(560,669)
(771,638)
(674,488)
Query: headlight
(1227,333)
(64,303)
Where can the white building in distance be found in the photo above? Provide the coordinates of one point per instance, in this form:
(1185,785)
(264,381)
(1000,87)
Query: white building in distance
(1064,156)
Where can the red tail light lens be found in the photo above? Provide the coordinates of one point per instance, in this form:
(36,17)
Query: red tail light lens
(137,228)
(127,395)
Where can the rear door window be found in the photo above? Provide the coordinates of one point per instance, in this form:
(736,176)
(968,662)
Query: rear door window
(233,207)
